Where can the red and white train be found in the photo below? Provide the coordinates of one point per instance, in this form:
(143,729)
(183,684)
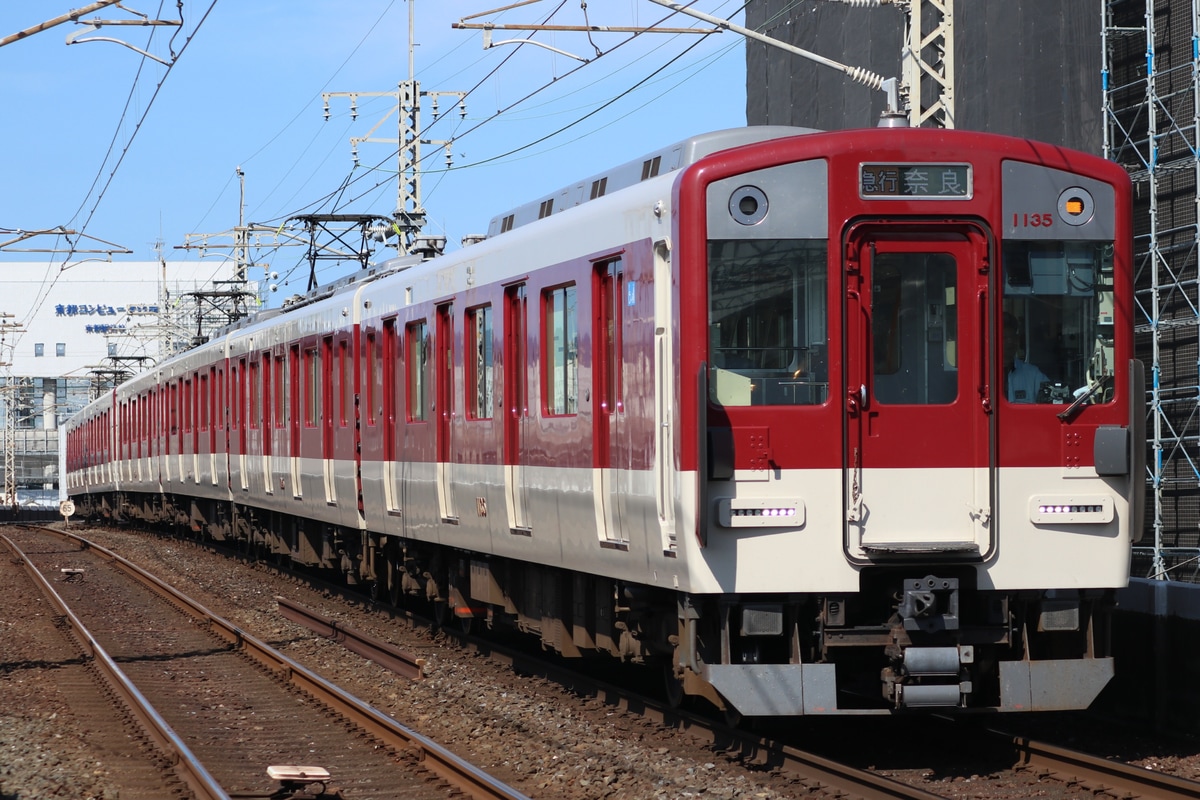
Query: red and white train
(819,423)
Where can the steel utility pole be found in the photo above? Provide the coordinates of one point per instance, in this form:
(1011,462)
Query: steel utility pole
(10,402)
(409,216)
(926,93)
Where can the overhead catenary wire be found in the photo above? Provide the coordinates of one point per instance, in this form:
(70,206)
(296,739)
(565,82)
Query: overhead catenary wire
(380,184)
(47,288)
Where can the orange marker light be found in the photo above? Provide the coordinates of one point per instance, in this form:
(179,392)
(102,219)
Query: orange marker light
(1074,206)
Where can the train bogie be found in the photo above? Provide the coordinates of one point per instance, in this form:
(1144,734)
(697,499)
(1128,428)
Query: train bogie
(816,423)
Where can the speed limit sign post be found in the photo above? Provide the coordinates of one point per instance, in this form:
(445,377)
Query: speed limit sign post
(66,508)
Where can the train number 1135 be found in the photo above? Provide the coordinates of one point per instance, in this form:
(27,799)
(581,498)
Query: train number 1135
(1032,220)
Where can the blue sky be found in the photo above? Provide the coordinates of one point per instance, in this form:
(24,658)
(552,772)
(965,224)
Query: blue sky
(246,91)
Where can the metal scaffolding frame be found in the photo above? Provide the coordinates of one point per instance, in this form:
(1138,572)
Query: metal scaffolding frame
(1152,128)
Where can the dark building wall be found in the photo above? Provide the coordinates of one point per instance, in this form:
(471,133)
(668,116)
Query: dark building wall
(1023,67)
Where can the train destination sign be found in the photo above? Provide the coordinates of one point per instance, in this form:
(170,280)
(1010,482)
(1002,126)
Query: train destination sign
(915,181)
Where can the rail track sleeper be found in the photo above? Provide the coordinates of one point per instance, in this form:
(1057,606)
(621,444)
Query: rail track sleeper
(173,748)
(358,718)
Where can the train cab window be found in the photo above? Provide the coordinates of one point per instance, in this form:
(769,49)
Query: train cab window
(1057,322)
(417,353)
(767,322)
(560,352)
(914,328)
(480,382)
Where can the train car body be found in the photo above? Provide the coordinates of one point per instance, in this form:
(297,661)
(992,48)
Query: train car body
(819,423)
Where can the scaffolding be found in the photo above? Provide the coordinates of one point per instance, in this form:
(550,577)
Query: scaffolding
(1152,128)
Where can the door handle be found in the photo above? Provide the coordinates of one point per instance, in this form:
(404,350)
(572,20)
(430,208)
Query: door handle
(856,399)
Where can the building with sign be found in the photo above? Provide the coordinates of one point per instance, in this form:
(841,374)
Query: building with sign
(68,334)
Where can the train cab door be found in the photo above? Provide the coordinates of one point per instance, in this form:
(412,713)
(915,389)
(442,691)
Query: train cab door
(516,405)
(918,455)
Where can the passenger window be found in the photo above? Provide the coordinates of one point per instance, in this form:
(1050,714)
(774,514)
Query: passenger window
(418,388)
(480,387)
(560,352)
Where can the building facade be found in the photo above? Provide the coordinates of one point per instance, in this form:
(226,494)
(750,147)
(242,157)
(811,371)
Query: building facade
(69,334)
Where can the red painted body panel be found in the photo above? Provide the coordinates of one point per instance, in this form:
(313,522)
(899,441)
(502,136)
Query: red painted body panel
(812,437)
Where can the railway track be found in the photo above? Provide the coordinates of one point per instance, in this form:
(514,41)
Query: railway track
(1097,777)
(234,716)
(1072,770)
(74,709)
(814,773)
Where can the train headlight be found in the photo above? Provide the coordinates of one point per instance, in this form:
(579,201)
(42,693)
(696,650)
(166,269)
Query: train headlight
(1076,206)
(748,205)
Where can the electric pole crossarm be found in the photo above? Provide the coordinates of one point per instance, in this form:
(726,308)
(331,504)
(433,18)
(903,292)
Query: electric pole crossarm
(22,236)
(491,26)
(68,17)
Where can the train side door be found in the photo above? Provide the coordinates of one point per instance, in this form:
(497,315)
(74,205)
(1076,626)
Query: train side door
(918,454)
(293,419)
(391,389)
(325,414)
(607,406)
(444,366)
(516,405)
(240,421)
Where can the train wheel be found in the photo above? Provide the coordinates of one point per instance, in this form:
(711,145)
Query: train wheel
(465,624)
(672,685)
(395,593)
(440,611)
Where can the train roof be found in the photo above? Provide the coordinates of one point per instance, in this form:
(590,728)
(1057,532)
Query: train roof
(659,162)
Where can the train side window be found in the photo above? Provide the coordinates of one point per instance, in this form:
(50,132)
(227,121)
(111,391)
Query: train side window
(346,382)
(369,365)
(480,382)
(416,352)
(255,405)
(560,352)
(312,382)
(218,398)
(279,391)
(188,396)
(237,397)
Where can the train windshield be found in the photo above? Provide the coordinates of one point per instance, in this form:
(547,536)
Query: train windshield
(768,331)
(1057,322)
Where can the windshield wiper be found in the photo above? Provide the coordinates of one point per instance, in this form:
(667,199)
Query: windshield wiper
(1071,410)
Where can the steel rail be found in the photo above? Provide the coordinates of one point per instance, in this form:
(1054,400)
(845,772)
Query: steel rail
(183,760)
(368,647)
(1099,775)
(465,777)
(814,770)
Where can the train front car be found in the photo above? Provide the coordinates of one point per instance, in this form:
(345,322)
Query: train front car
(909,403)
